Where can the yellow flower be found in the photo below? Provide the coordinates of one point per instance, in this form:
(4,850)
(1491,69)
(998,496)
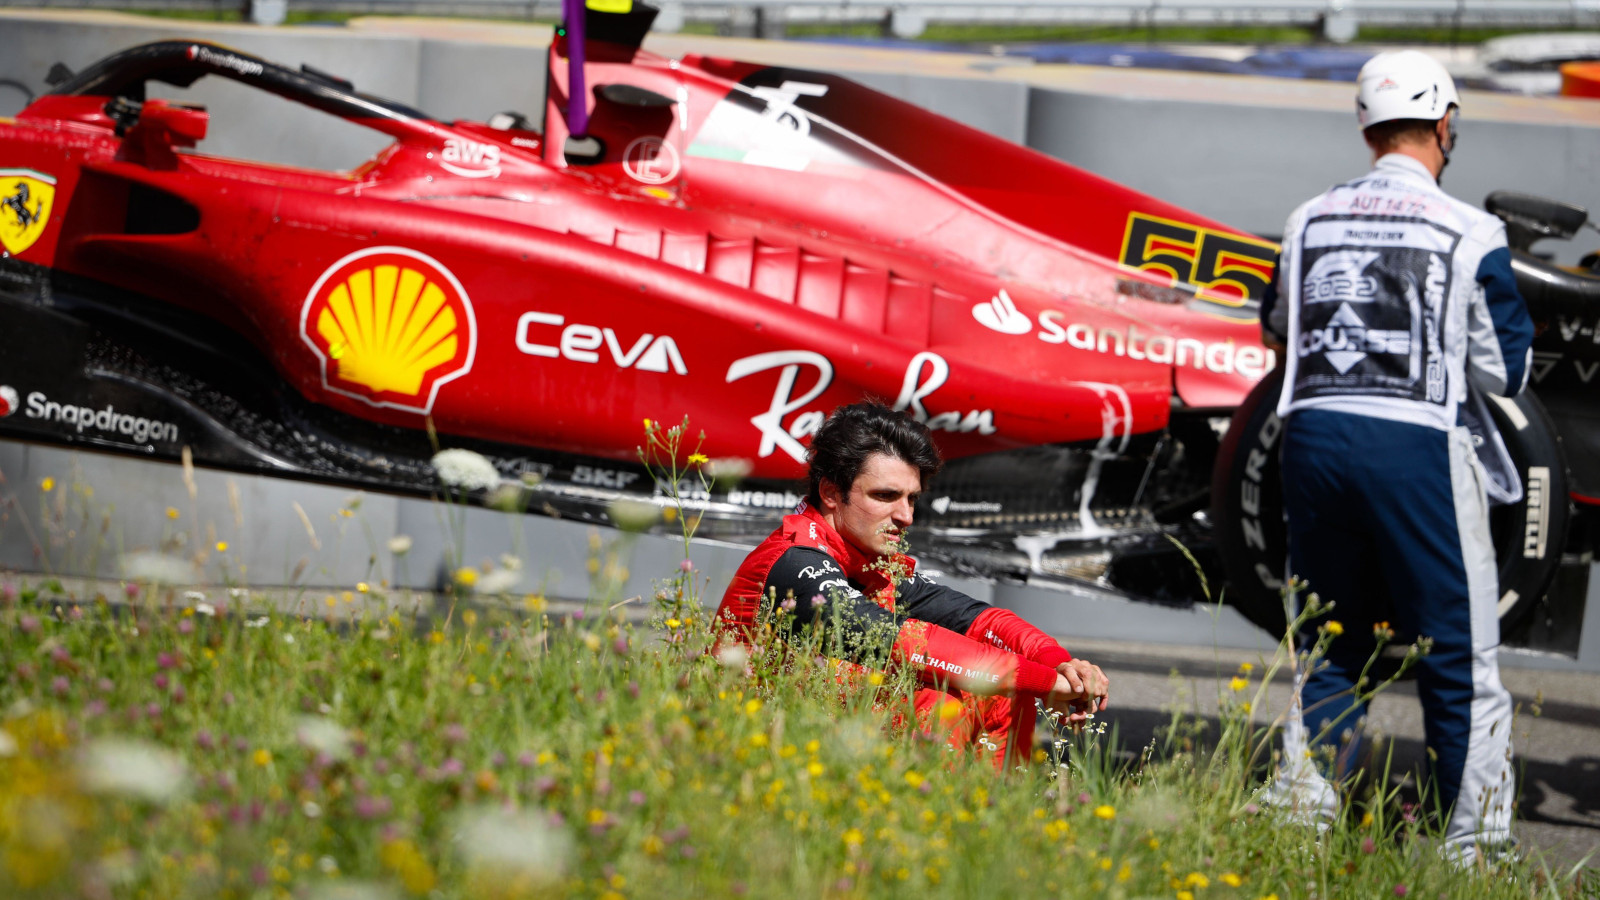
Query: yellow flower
(674,623)
(752,706)
(876,678)
(647,424)
(915,780)
(949,709)
(814,768)
(1124,873)
(222,546)
(362,587)
(1334,627)
(172,512)
(466,576)
(1230,879)
(1105,811)
(597,816)
(1238,684)
(759,739)
(1270,897)
(1105,864)
(534,603)
(1185,895)
(669,514)
(698,459)
(1366,819)
(263,757)
(469,618)
(1247,668)
(853,837)
(47,484)
(1196,880)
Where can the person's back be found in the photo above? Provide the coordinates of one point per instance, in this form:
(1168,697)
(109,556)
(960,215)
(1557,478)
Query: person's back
(1397,306)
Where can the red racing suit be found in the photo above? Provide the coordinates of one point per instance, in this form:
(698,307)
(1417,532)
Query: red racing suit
(987,660)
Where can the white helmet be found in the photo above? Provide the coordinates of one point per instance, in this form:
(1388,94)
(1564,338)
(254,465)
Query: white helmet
(1403,84)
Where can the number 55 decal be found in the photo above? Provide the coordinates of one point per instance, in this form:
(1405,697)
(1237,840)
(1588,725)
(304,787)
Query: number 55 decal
(1224,267)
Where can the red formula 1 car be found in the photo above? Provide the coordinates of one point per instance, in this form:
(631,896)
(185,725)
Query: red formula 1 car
(745,245)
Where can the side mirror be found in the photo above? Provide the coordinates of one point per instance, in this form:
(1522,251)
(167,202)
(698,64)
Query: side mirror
(1529,218)
(184,125)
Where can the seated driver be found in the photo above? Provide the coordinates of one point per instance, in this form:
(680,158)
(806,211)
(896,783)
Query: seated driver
(842,546)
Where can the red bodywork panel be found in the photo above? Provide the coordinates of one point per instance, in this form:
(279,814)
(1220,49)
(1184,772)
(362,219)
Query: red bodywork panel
(755,247)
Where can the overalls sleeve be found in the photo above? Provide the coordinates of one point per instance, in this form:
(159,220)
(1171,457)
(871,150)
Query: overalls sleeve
(824,597)
(1499,329)
(925,599)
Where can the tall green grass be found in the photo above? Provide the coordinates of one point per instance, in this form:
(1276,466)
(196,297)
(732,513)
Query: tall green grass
(210,744)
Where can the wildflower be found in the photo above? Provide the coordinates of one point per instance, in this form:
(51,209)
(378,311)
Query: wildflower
(1231,879)
(1196,880)
(466,576)
(674,623)
(172,512)
(733,656)
(465,470)
(205,609)
(752,706)
(323,736)
(1186,895)
(647,425)
(403,858)
(400,544)
(698,459)
(633,515)
(1382,631)
(47,484)
(1105,811)
(1238,684)
(853,837)
(1246,668)
(262,757)
(686,566)
(132,769)
(1334,627)
(157,568)
(498,581)
(257,623)
(1400,890)
(222,546)
(363,588)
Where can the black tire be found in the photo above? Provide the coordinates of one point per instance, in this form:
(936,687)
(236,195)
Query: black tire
(1247,507)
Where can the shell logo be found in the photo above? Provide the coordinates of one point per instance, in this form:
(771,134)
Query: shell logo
(390,326)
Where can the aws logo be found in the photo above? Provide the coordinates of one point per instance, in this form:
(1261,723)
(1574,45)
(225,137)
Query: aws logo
(390,326)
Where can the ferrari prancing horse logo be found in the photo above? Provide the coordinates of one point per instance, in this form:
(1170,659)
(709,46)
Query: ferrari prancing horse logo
(26,197)
(390,326)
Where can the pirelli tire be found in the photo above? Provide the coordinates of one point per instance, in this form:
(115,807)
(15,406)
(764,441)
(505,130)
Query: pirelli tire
(1247,507)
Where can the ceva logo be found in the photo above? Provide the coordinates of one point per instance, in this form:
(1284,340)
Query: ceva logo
(1001,314)
(390,326)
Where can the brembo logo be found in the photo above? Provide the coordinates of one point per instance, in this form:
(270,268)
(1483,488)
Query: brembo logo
(470,159)
(391,326)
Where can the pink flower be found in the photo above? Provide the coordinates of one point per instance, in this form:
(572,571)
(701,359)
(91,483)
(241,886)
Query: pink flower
(204,740)
(451,768)
(186,626)
(60,685)
(166,661)
(132,590)
(818,600)
(454,734)
(1400,890)
(29,624)
(105,686)
(161,682)
(787,605)
(179,694)
(60,654)
(686,565)
(1367,846)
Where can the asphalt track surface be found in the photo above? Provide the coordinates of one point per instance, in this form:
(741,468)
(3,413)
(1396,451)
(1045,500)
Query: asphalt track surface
(1556,735)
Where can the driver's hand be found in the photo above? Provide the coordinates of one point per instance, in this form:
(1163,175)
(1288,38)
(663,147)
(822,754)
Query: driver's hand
(1089,681)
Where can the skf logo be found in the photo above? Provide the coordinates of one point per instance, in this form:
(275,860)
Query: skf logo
(470,159)
(391,326)
(1224,267)
(8,400)
(26,197)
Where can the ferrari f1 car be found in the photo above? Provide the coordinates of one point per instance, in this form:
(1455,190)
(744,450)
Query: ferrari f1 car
(745,245)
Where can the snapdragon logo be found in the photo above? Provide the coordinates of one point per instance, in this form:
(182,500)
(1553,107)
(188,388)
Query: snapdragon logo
(106,421)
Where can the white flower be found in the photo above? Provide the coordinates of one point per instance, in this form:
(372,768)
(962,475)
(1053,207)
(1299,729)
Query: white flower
(465,469)
(288,638)
(513,845)
(311,809)
(8,744)
(350,890)
(510,561)
(157,568)
(400,544)
(323,736)
(633,515)
(238,593)
(258,623)
(498,581)
(205,609)
(195,596)
(132,769)
(734,656)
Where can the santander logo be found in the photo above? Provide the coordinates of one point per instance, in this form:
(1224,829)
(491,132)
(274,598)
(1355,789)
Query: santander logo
(1001,314)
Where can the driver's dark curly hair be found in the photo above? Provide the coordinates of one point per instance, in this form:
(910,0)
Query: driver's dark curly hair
(853,432)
